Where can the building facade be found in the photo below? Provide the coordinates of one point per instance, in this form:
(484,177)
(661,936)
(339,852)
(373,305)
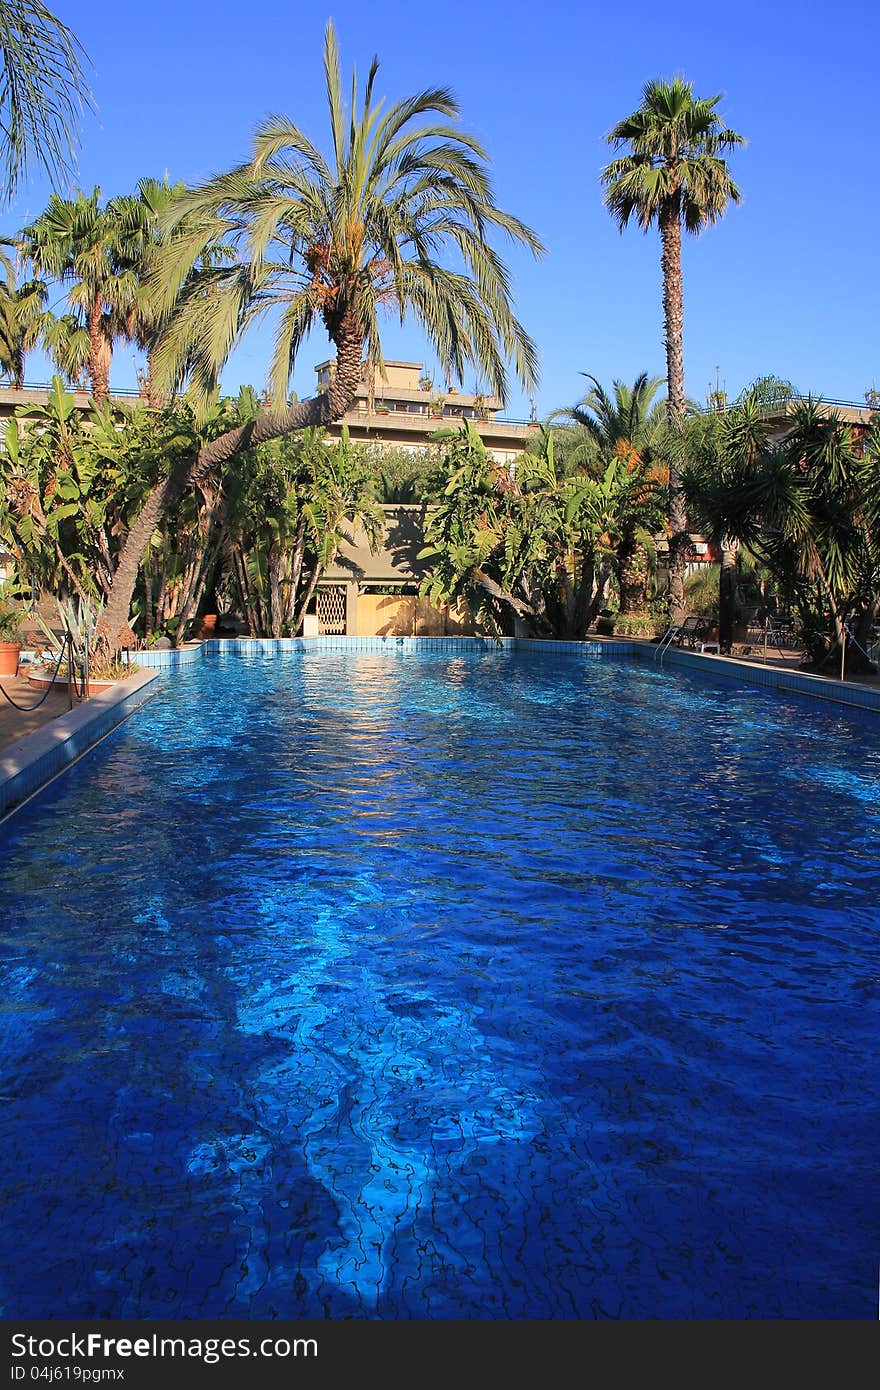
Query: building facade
(403,409)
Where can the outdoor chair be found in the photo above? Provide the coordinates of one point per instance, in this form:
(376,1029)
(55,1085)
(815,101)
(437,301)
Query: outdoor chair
(694,633)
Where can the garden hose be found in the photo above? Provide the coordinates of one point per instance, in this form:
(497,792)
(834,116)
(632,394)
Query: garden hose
(29,709)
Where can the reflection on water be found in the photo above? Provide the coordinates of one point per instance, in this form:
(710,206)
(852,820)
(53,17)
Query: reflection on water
(355,985)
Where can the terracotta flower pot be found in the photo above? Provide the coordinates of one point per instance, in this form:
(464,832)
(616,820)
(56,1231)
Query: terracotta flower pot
(9,654)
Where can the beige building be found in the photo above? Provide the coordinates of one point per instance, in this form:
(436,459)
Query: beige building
(404,409)
(366,595)
(363,594)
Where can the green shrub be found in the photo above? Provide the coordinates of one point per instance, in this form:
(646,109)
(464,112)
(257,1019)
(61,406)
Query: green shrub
(638,625)
(701,592)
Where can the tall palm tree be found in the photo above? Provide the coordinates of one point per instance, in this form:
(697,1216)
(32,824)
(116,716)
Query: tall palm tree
(625,427)
(87,248)
(397,215)
(42,91)
(673,175)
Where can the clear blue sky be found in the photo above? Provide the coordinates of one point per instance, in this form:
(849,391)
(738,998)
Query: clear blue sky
(788,283)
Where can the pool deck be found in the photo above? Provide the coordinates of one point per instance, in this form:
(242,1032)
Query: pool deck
(38,756)
(15,723)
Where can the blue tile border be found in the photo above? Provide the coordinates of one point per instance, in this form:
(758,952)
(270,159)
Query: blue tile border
(270,646)
(725,668)
(158,658)
(31,762)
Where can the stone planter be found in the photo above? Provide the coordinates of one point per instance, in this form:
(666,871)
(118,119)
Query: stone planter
(39,678)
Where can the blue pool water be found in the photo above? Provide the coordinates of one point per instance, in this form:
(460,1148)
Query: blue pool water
(487,986)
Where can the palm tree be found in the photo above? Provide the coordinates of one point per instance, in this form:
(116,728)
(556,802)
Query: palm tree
(88,248)
(141,220)
(674,175)
(808,508)
(67,342)
(397,216)
(625,427)
(23,317)
(42,91)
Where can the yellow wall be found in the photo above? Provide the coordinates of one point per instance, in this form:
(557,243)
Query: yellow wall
(403,615)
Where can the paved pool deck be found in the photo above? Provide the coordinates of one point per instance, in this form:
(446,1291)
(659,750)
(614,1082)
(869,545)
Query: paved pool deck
(15,723)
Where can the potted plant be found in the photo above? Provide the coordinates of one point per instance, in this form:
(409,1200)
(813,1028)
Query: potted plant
(10,638)
(605,623)
(80,620)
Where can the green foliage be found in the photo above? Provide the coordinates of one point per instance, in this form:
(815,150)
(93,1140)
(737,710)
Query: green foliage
(627,430)
(71,481)
(769,390)
(288,502)
(701,592)
(521,540)
(42,92)
(22,318)
(806,505)
(10,613)
(401,475)
(395,213)
(674,163)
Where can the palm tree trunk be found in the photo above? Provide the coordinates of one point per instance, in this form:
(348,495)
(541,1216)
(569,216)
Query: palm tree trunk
(673,319)
(154,398)
(276,614)
(632,575)
(727,594)
(307,596)
(296,568)
(99,352)
(318,410)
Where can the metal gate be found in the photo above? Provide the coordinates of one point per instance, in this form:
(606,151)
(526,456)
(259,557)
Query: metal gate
(331,610)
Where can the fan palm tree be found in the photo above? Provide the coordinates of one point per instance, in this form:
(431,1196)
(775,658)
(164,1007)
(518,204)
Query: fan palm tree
(397,215)
(23,317)
(673,175)
(88,248)
(141,221)
(67,343)
(625,427)
(42,91)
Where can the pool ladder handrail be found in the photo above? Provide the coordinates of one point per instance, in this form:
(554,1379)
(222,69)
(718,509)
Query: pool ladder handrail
(667,640)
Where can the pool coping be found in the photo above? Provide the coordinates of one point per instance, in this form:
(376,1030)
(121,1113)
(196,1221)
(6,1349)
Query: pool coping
(33,761)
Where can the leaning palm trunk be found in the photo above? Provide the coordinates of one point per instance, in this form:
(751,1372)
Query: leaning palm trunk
(319,410)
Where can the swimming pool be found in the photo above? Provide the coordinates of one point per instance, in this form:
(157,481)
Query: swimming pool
(485,986)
